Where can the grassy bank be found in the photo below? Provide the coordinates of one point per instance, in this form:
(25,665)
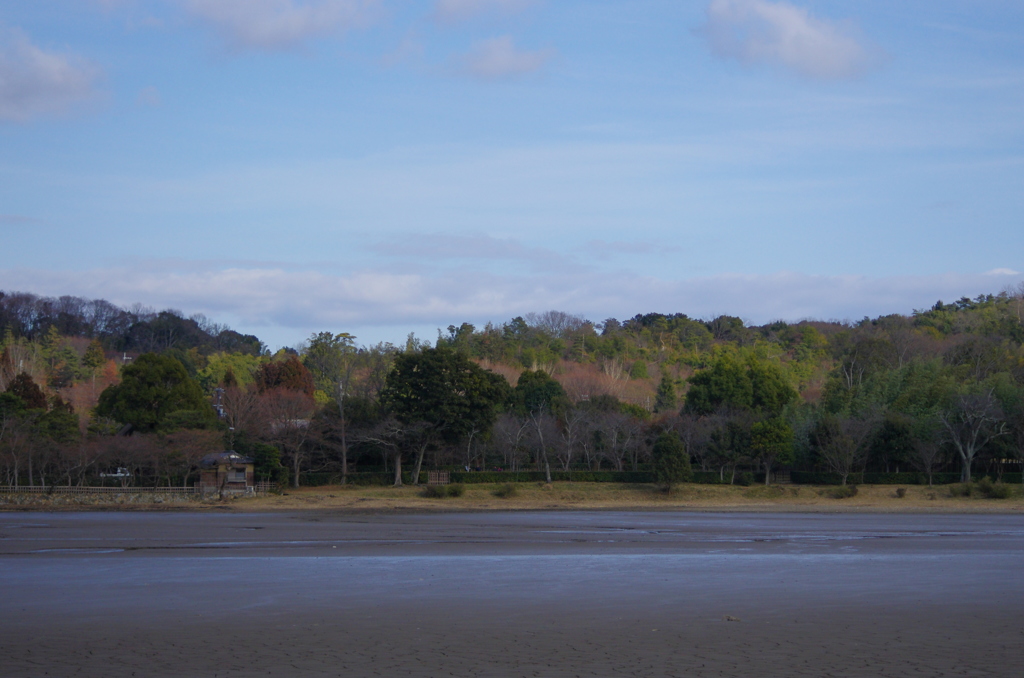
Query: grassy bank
(537,496)
(566,495)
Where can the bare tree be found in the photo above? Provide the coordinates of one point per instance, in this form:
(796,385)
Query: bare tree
(927,453)
(244,409)
(288,412)
(695,432)
(846,444)
(971,422)
(509,435)
(572,427)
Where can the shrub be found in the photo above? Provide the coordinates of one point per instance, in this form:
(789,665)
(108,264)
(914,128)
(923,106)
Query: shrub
(960,490)
(843,492)
(671,462)
(443,491)
(991,490)
(746,479)
(506,491)
(435,491)
(762,492)
(901,492)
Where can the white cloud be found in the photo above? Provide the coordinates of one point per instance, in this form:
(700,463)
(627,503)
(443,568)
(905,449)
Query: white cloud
(499,58)
(457,10)
(36,82)
(293,303)
(279,24)
(782,34)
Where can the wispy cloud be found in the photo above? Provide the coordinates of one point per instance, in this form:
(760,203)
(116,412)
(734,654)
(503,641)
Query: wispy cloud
(446,247)
(36,82)
(279,24)
(782,34)
(458,10)
(251,298)
(605,250)
(499,58)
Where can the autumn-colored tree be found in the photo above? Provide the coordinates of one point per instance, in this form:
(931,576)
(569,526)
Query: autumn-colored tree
(26,388)
(289,374)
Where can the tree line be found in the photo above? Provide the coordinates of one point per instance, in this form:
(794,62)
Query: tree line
(940,390)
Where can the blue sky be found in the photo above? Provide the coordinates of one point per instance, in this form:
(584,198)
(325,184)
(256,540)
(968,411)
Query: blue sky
(375,166)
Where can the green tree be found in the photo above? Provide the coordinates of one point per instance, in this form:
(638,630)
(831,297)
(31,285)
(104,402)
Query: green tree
(228,369)
(639,370)
(671,462)
(60,423)
(725,384)
(538,395)
(94,356)
(329,357)
(152,388)
(739,385)
(665,398)
(772,443)
(444,393)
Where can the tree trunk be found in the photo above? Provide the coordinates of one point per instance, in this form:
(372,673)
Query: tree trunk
(767,472)
(419,463)
(398,468)
(543,450)
(965,468)
(344,447)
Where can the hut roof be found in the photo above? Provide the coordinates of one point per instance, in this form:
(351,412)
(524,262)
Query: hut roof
(227,457)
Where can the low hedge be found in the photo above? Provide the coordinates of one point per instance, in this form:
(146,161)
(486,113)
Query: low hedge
(362,479)
(642,477)
(875,478)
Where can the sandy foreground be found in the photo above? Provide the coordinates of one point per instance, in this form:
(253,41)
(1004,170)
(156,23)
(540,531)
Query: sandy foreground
(510,593)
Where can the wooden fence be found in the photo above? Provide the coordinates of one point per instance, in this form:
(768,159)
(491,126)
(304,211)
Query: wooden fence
(438,478)
(83,489)
(265,487)
(261,487)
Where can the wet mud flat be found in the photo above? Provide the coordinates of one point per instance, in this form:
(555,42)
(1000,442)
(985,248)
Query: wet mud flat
(510,594)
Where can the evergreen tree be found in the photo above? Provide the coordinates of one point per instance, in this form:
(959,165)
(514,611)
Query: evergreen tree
(671,461)
(665,399)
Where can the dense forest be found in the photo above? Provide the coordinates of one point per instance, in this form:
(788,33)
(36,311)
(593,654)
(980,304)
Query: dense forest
(934,396)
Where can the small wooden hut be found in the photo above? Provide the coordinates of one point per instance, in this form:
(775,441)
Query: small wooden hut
(226,473)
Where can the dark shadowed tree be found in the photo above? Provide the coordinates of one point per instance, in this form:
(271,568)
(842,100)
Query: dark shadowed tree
(671,462)
(444,391)
(152,388)
(538,396)
(665,398)
(26,388)
(771,441)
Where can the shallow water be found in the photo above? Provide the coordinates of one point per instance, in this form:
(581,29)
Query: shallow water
(159,584)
